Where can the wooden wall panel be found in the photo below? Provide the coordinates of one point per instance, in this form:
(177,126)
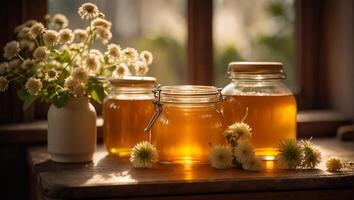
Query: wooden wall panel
(13,13)
(200,41)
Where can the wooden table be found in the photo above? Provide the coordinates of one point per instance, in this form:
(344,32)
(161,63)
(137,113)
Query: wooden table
(109,177)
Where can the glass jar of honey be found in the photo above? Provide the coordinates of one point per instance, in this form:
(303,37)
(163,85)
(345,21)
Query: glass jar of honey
(126,112)
(186,121)
(271,105)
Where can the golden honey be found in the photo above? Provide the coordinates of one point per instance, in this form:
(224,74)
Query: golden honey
(188,122)
(183,133)
(127,110)
(271,117)
(124,123)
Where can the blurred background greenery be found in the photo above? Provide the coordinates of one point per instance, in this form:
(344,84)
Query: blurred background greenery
(243,30)
(253,30)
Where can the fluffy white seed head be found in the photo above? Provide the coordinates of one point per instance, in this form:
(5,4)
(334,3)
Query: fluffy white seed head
(41,53)
(11,49)
(65,36)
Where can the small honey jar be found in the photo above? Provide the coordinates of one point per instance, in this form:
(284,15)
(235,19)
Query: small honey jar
(126,112)
(271,105)
(186,122)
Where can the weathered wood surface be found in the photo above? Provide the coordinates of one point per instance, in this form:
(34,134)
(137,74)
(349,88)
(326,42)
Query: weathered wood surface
(109,176)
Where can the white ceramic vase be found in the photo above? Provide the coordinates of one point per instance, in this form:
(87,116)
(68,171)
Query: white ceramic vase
(72,131)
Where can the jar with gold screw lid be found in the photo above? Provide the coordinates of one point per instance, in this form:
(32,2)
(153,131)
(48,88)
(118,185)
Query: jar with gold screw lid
(271,105)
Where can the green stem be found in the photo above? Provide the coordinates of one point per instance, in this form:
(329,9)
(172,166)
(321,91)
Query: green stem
(20,57)
(59,86)
(83,48)
(19,74)
(35,41)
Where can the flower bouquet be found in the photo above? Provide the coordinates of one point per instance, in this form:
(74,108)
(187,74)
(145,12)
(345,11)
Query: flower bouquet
(54,63)
(58,65)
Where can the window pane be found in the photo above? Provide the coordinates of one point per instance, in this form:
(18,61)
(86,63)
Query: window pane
(253,30)
(155,25)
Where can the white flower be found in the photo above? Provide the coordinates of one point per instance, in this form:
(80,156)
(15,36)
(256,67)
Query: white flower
(88,11)
(60,21)
(27,64)
(27,24)
(146,56)
(3,84)
(33,86)
(143,155)
(69,83)
(80,35)
(103,34)
(65,36)
(41,53)
(11,49)
(4,67)
(334,165)
(240,130)
(78,89)
(24,33)
(30,23)
(99,22)
(141,68)
(52,75)
(220,157)
(244,152)
(92,62)
(19,28)
(80,74)
(130,55)
(36,29)
(114,51)
(254,164)
(50,37)
(121,71)
(27,44)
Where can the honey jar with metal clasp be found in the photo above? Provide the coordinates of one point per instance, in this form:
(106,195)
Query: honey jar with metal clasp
(187,120)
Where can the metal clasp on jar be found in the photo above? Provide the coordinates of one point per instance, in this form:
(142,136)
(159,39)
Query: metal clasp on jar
(158,108)
(221,99)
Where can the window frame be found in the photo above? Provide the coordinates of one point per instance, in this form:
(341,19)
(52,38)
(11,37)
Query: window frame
(311,72)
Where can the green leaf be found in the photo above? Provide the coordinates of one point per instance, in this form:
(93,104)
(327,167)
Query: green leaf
(60,99)
(26,98)
(111,68)
(96,90)
(62,76)
(98,93)
(61,57)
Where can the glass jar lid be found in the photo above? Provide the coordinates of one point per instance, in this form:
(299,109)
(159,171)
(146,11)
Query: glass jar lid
(190,94)
(256,70)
